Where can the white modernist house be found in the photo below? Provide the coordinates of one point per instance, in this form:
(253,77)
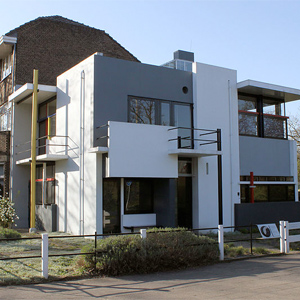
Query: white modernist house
(124,145)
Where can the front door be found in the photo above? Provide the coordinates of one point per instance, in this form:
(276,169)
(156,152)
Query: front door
(111,205)
(184,202)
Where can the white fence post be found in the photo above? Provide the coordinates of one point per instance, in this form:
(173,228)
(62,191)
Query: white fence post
(282,236)
(221,241)
(45,255)
(143,233)
(286,236)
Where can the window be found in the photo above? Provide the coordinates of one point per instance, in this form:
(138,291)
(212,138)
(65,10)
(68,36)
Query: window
(138,196)
(142,111)
(6,66)
(46,123)
(263,117)
(268,193)
(161,112)
(5,117)
(45,187)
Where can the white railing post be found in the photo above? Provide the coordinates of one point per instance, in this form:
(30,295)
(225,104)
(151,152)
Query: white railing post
(282,236)
(45,255)
(286,237)
(221,241)
(143,233)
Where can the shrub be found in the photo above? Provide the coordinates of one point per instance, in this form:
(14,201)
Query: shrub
(7,212)
(6,233)
(160,251)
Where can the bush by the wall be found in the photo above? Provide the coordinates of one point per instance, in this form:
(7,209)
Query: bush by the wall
(162,250)
(6,233)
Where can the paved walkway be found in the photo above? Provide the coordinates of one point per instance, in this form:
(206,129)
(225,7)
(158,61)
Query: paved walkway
(275,277)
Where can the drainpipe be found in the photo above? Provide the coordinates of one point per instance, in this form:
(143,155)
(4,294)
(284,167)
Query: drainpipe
(13,72)
(81,159)
(33,151)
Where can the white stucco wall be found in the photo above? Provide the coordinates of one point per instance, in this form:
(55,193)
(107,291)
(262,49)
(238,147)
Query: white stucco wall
(79,177)
(140,150)
(216,107)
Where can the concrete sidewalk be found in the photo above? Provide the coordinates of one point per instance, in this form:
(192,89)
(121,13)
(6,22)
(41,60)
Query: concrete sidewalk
(275,277)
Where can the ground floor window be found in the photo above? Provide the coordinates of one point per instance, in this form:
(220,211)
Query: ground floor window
(268,193)
(138,196)
(45,184)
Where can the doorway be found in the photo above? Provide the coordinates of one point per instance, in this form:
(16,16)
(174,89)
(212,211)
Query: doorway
(184,202)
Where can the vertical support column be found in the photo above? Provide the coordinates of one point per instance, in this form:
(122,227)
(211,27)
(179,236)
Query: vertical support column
(286,236)
(220,178)
(45,255)
(282,236)
(33,151)
(221,241)
(143,233)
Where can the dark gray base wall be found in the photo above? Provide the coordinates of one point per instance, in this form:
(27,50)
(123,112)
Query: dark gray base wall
(165,202)
(46,217)
(268,212)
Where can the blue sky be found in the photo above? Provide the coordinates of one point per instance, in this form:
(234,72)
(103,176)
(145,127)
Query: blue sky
(258,38)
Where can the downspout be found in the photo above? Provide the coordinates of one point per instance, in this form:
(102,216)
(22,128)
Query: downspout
(81,159)
(13,73)
(230,149)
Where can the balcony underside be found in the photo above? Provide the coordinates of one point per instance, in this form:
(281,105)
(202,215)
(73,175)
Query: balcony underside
(194,152)
(42,158)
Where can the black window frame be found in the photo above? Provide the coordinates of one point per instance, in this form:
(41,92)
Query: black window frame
(259,104)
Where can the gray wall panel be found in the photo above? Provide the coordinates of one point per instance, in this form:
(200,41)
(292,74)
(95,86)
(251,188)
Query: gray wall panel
(116,79)
(264,157)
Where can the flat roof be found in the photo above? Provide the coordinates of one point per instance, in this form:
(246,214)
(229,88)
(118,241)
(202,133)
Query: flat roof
(269,90)
(24,93)
(6,43)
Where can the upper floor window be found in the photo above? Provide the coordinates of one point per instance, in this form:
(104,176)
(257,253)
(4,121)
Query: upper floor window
(46,123)
(6,66)
(162,112)
(263,117)
(5,117)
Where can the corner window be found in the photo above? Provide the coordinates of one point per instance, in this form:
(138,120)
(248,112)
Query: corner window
(262,117)
(138,196)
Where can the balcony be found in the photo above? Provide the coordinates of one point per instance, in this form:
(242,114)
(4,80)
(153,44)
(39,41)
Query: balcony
(48,148)
(151,151)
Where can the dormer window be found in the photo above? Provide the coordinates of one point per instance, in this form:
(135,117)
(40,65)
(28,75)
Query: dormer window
(6,66)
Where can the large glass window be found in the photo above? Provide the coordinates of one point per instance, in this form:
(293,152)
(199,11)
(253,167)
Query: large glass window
(138,196)
(268,193)
(183,120)
(142,111)
(167,113)
(263,117)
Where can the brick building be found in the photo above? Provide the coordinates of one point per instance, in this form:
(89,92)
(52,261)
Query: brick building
(52,45)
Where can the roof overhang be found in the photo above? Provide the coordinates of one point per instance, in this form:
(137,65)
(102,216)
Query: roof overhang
(6,43)
(268,90)
(24,93)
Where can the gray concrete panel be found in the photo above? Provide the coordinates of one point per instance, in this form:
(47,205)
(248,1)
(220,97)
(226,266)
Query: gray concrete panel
(117,79)
(264,157)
